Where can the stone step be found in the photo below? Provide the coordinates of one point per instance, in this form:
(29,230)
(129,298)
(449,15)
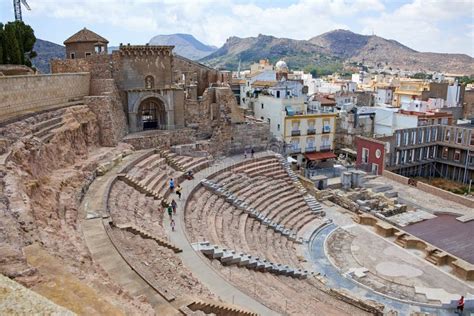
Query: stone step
(138,231)
(232,257)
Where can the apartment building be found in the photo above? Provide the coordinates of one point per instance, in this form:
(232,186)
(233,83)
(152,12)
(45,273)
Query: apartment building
(426,151)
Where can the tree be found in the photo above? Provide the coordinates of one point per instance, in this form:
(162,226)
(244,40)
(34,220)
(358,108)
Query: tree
(16,43)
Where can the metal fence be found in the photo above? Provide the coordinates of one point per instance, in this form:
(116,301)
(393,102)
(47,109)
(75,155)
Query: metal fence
(328,172)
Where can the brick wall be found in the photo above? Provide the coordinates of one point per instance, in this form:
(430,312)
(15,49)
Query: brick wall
(22,95)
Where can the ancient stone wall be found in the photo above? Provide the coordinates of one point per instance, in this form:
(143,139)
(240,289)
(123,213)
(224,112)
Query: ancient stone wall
(194,72)
(162,139)
(22,95)
(99,66)
(107,104)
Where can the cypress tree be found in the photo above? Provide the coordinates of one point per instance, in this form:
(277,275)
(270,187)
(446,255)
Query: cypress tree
(1,44)
(12,46)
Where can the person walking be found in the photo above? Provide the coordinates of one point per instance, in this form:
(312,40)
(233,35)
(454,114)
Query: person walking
(170,211)
(172,224)
(252,152)
(245,154)
(171,184)
(174,205)
(178,191)
(460,307)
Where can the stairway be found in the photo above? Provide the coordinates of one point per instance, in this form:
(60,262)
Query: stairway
(231,257)
(131,181)
(291,174)
(138,231)
(213,308)
(42,130)
(245,207)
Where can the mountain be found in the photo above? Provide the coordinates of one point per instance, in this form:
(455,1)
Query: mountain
(296,53)
(186,45)
(374,50)
(46,51)
(332,48)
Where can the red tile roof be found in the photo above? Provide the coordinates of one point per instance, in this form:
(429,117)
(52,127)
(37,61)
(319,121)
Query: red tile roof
(86,36)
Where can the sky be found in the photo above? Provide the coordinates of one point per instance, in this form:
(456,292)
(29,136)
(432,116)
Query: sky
(445,26)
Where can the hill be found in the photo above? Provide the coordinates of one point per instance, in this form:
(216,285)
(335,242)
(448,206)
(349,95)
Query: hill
(332,48)
(296,53)
(374,50)
(46,51)
(186,45)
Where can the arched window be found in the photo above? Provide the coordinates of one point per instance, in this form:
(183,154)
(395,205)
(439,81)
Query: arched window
(149,82)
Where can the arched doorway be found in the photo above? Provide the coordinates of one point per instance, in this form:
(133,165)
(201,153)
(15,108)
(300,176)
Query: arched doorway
(152,114)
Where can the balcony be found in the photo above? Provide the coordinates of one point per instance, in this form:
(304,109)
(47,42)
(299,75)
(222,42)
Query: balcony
(311,131)
(310,149)
(325,148)
(296,133)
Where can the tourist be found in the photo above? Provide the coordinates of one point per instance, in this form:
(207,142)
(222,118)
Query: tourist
(171,184)
(460,307)
(245,154)
(174,205)
(252,152)
(178,191)
(172,224)
(189,175)
(164,204)
(170,211)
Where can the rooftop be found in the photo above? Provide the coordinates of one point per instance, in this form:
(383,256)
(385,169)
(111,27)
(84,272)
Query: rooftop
(86,36)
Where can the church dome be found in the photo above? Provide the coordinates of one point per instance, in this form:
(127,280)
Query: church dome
(281,66)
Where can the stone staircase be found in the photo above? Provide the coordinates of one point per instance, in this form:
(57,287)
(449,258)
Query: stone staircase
(138,231)
(244,206)
(402,240)
(314,205)
(43,130)
(294,178)
(213,308)
(140,187)
(184,163)
(231,257)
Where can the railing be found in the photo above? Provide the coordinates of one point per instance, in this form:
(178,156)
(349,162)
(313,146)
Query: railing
(311,131)
(326,130)
(325,147)
(328,172)
(296,133)
(293,150)
(310,149)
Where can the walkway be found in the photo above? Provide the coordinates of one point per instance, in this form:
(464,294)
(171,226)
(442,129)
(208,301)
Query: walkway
(102,250)
(199,265)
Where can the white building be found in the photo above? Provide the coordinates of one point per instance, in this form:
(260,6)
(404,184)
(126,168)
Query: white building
(383,96)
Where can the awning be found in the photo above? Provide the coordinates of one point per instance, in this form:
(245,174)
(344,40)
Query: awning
(289,110)
(320,156)
(291,160)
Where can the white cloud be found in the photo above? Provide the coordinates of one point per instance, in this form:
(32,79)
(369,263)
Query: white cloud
(427,25)
(419,24)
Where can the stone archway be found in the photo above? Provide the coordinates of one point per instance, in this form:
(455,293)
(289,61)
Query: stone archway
(151,114)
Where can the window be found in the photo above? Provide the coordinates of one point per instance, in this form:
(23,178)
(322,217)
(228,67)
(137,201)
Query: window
(365,155)
(405,138)
(262,106)
(278,94)
(326,126)
(397,159)
(413,137)
(399,138)
(88,54)
(268,120)
(262,118)
(457,155)
(472,138)
(428,135)
(459,140)
(445,153)
(278,127)
(447,135)
(73,55)
(427,152)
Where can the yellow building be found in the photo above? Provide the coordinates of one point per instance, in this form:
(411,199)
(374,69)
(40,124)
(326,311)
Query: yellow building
(310,132)
(408,90)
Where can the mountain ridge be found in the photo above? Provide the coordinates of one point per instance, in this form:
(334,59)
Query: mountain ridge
(185,45)
(337,46)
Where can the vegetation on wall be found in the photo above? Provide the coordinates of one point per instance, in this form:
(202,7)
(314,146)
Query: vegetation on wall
(16,43)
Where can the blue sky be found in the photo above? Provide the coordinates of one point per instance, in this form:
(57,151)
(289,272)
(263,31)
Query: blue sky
(425,25)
